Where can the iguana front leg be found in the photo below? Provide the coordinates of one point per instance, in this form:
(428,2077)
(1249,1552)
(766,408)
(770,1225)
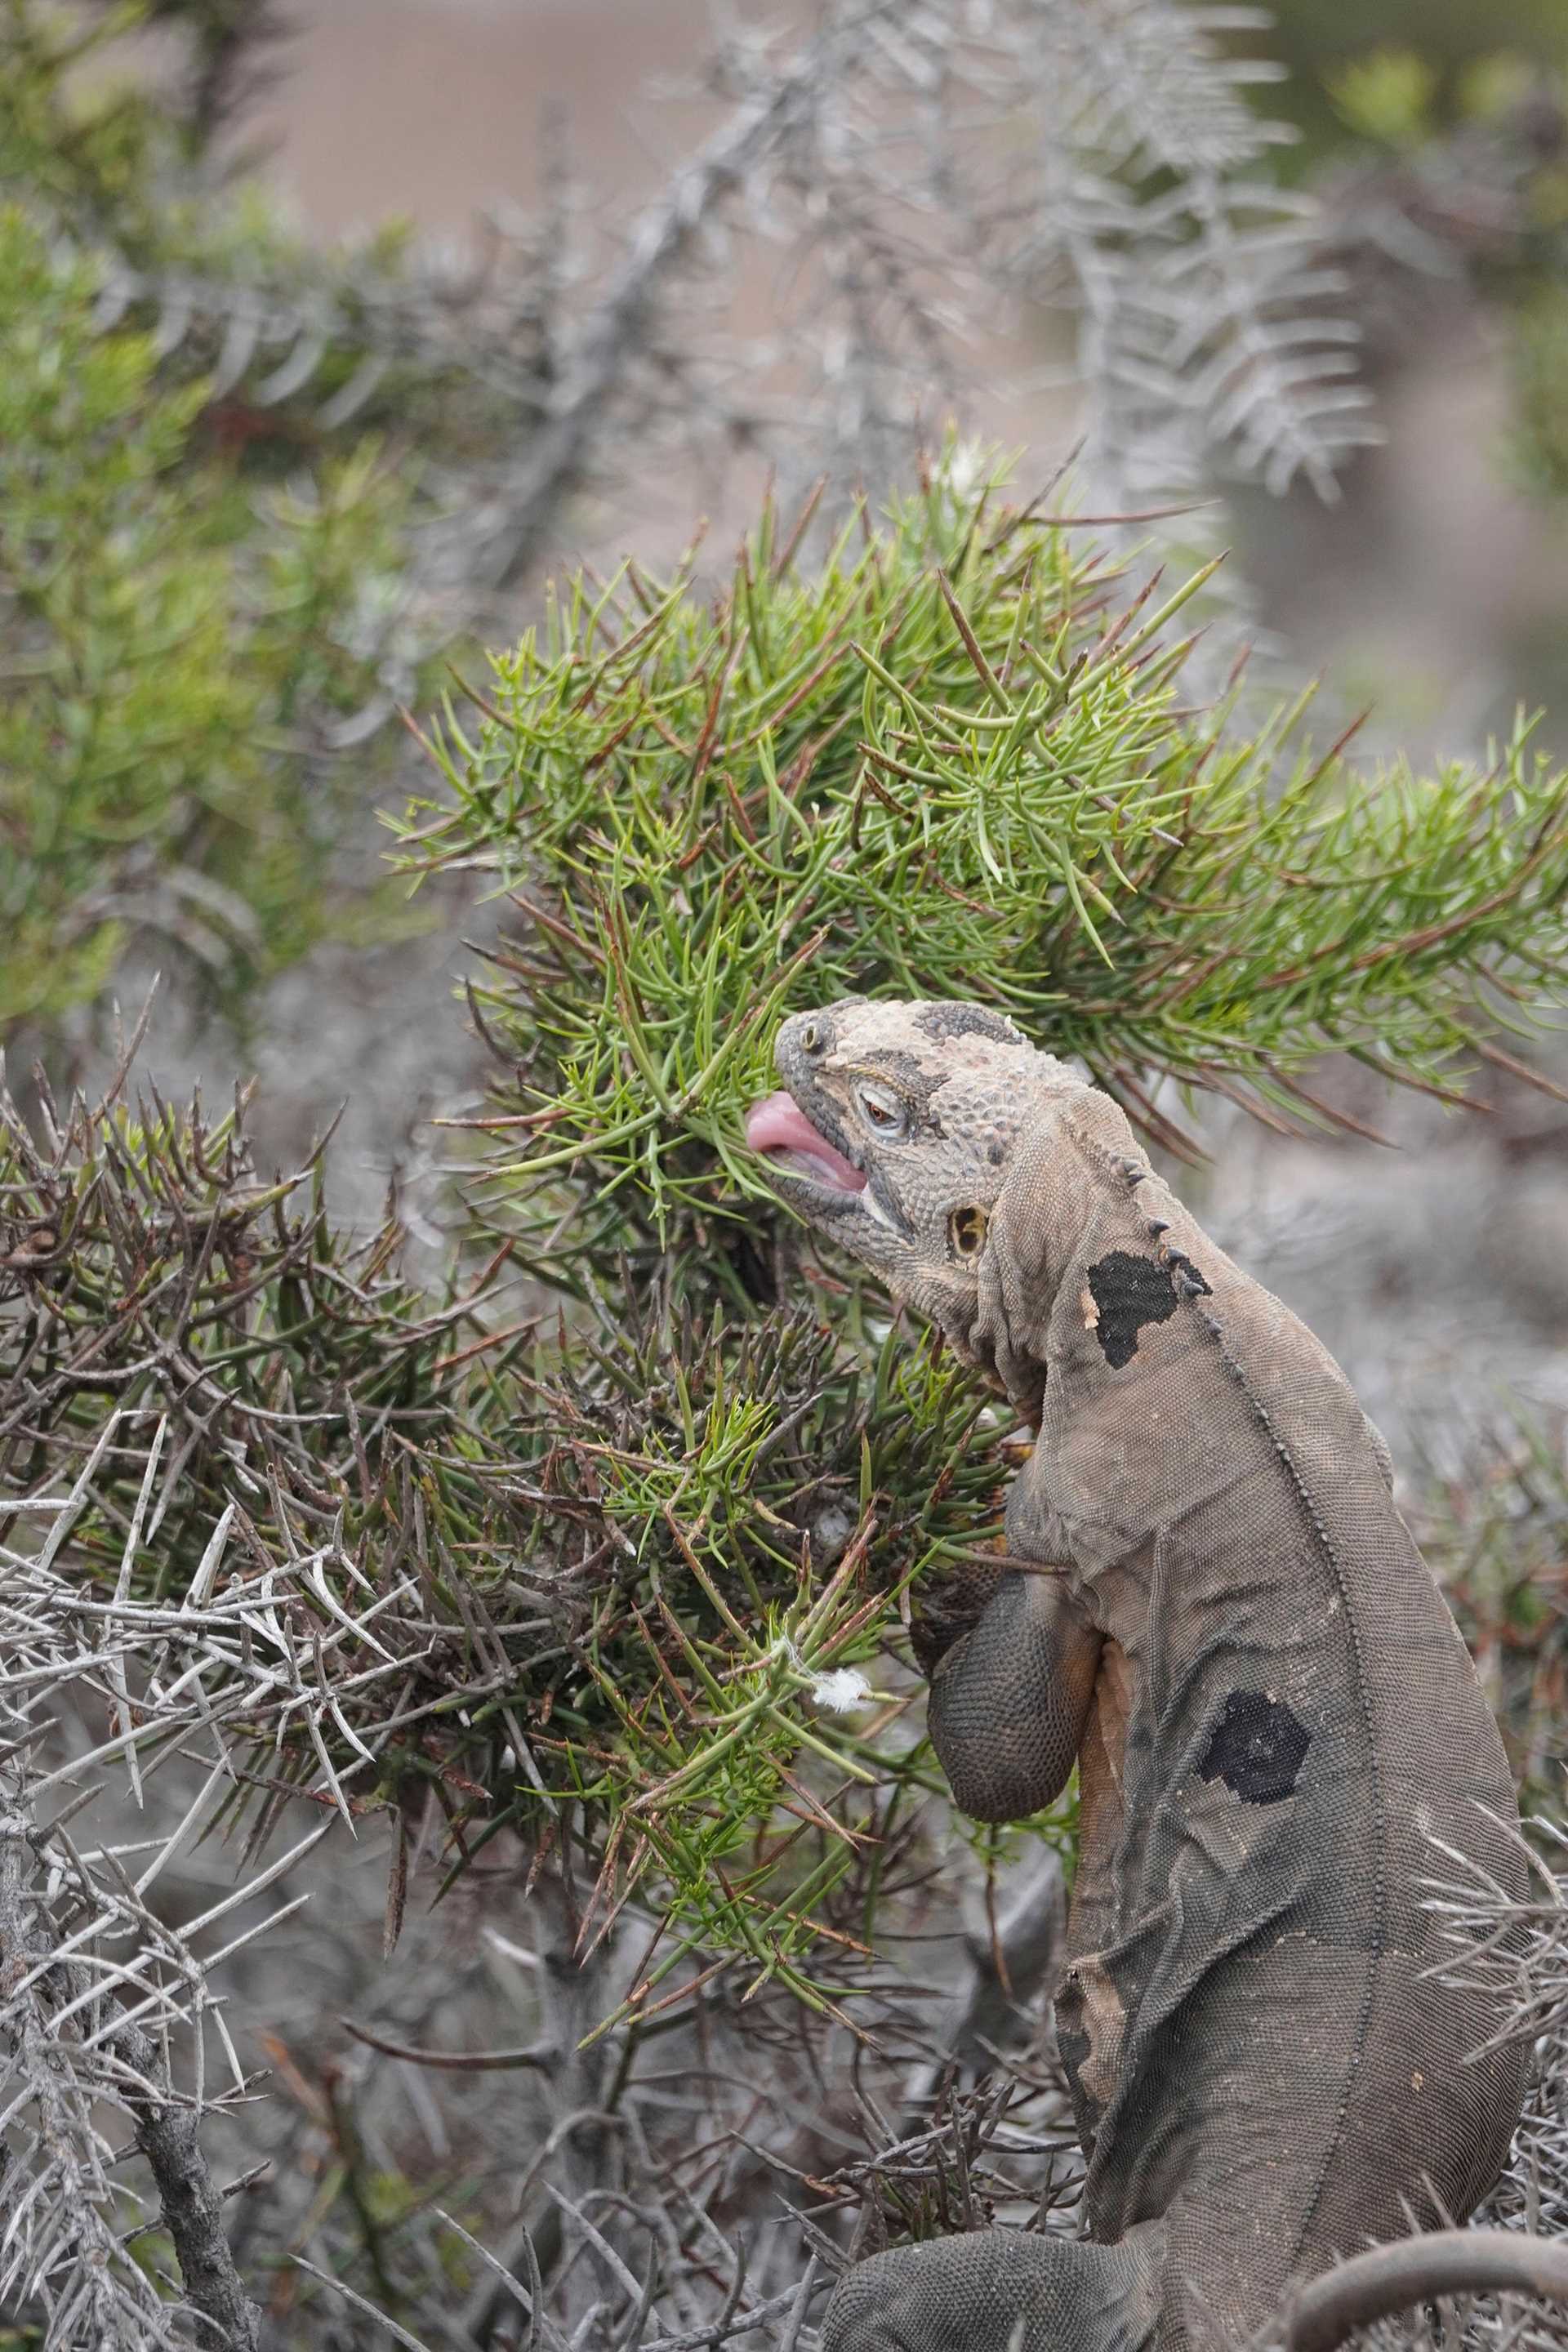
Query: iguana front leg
(1001,2290)
(1010,1696)
(1009,1699)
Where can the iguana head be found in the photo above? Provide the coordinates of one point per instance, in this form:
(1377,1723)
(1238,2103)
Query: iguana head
(894,1135)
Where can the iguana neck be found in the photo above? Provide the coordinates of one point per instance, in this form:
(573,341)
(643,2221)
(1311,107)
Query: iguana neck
(1081,1154)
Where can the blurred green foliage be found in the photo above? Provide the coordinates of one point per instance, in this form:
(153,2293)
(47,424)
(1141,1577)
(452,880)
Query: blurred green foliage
(210,597)
(1386,96)
(179,651)
(1452,46)
(1453,121)
(1539,445)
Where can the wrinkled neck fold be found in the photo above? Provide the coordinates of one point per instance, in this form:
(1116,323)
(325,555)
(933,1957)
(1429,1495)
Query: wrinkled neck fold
(1054,1188)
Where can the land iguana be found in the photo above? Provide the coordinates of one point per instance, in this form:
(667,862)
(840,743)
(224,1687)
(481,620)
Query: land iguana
(1272,1711)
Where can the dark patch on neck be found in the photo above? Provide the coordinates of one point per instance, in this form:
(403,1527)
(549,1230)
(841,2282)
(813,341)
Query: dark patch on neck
(1128,1292)
(1258,1748)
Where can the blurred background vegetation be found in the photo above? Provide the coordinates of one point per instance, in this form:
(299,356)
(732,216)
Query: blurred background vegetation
(323,339)
(327,421)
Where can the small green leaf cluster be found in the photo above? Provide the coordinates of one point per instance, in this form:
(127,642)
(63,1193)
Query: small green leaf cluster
(181,656)
(952,760)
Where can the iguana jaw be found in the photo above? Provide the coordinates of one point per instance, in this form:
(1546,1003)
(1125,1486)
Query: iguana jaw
(796,1147)
(812,1168)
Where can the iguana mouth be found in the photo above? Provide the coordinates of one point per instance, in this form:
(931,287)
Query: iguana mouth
(780,1130)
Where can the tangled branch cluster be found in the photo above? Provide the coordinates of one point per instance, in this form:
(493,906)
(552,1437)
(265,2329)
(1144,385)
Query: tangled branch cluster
(262,1550)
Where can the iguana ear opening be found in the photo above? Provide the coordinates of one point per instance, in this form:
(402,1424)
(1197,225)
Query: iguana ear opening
(966,1232)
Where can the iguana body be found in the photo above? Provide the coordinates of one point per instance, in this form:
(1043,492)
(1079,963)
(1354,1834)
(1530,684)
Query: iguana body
(1272,1710)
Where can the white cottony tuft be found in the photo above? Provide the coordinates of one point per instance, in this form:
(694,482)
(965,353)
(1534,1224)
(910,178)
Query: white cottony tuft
(969,461)
(843,1688)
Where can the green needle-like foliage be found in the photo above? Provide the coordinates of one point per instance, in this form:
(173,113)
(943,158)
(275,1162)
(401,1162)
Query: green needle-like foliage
(629,1586)
(953,759)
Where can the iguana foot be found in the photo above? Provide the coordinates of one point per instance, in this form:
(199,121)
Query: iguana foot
(1000,2291)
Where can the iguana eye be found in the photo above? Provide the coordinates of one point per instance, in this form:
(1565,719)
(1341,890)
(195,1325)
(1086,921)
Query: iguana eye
(883,1110)
(810,1036)
(967,1231)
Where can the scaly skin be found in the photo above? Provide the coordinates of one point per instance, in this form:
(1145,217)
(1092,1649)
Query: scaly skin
(1270,1704)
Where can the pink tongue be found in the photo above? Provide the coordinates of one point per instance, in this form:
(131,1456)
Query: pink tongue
(780,1124)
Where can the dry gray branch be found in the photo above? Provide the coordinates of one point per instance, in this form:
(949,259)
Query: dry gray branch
(73,2051)
(917,168)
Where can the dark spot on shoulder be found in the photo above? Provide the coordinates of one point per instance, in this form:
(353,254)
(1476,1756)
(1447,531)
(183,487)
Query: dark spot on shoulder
(943,1021)
(1258,1748)
(995,1153)
(1128,1292)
